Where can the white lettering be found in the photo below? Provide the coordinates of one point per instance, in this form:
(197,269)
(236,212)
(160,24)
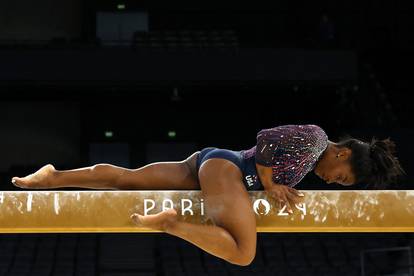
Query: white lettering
(146,206)
(187,204)
(183,209)
(249,180)
(170,203)
(202,207)
(281,213)
(301,207)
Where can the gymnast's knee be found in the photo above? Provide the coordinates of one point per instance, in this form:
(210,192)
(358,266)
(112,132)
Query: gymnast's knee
(243,258)
(244,255)
(105,172)
(100,168)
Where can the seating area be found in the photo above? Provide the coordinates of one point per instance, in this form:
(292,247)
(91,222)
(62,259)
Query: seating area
(151,254)
(185,39)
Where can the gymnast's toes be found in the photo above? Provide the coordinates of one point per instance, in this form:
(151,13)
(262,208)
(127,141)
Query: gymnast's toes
(158,221)
(38,180)
(17,182)
(24,182)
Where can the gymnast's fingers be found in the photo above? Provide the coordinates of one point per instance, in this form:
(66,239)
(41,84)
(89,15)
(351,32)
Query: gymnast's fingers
(295,192)
(287,203)
(294,197)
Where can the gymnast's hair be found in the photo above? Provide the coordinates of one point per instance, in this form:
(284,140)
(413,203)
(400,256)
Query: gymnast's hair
(373,163)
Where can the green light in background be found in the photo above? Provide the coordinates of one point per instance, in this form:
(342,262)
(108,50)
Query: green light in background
(172,134)
(120,6)
(109,134)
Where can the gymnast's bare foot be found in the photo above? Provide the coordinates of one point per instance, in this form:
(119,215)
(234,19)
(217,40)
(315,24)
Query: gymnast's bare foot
(38,180)
(158,221)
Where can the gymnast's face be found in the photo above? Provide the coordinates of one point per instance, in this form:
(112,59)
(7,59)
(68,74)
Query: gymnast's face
(334,166)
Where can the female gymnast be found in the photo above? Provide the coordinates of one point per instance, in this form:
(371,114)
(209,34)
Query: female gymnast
(282,156)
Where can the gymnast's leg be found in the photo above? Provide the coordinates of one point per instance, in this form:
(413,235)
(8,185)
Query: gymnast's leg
(232,236)
(178,175)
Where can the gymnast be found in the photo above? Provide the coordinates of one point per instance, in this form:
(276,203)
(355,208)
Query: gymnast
(281,158)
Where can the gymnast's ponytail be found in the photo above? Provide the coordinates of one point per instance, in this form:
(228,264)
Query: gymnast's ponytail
(386,168)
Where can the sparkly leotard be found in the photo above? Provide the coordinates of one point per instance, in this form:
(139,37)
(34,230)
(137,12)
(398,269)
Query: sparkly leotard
(291,150)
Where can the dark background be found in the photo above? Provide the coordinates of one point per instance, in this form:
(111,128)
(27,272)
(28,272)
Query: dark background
(169,79)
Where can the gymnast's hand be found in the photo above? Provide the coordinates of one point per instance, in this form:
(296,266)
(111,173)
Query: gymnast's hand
(284,195)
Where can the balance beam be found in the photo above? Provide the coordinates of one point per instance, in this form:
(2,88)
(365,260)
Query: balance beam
(48,211)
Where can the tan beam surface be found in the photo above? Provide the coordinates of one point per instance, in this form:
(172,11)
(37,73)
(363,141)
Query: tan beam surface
(48,211)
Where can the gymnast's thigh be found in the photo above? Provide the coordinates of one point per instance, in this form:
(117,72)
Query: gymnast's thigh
(227,202)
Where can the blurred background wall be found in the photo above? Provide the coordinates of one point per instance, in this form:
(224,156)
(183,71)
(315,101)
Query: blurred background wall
(134,82)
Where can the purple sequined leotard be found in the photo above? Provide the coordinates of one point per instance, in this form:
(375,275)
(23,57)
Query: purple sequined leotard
(291,150)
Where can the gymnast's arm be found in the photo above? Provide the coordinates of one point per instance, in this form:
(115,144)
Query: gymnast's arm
(285,194)
(265,175)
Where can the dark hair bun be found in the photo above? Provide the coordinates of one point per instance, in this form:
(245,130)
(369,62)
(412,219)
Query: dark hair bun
(385,145)
(385,164)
